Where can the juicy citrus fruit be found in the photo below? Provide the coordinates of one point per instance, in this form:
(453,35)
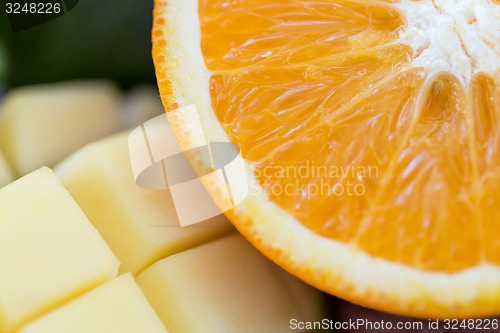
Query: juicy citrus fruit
(370,131)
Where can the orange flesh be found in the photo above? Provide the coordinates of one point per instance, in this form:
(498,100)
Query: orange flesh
(347,138)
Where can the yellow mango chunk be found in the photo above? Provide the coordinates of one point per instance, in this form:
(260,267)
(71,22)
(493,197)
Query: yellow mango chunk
(49,251)
(5,173)
(41,125)
(142,103)
(226,286)
(118,306)
(140,225)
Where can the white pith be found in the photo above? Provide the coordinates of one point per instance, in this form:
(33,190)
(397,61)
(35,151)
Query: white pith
(457,36)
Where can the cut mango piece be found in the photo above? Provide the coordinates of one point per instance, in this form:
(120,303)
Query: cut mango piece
(226,286)
(142,103)
(49,251)
(5,173)
(308,299)
(118,306)
(40,125)
(140,225)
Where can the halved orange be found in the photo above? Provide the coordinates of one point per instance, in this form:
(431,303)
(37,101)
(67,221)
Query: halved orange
(370,132)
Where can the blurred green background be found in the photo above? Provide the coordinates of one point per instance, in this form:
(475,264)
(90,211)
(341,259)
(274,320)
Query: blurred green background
(96,39)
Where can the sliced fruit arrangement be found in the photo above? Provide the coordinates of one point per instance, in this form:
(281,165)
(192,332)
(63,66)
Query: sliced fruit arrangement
(370,134)
(140,225)
(73,244)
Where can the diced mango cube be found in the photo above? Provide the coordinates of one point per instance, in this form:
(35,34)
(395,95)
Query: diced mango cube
(140,225)
(225,286)
(118,306)
(5,173)
(49,251)
(40,125)
(142,103)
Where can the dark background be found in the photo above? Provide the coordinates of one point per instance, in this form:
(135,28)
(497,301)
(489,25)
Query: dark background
(96,39)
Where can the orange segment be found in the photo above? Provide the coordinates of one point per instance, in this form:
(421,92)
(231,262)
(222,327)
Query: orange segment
(370,132)
(263,108)
(238,34)
(425,210)
(313,116)
(485,94)
(332,182)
